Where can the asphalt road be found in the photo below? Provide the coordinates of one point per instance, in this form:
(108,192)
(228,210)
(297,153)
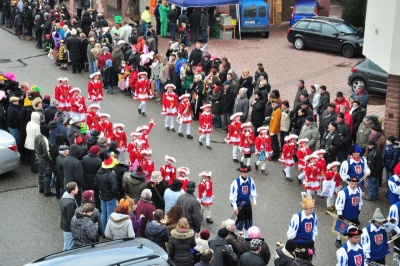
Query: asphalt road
(30,223)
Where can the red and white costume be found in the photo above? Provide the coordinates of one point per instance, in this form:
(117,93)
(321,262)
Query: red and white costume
(205,193)
(62,95)
(302,152)
(168,171)
(288,150)
(333,174)
(134,150)
(310,182)
(246,140)
(92,117)
(145,130)
(104,126)
(142,88)
(263,145)
(183,176)
(147,164)
(119,136)
(321,164)
(78,105)
(185,114)
(95,89)
(234,131)
(169,106)
(205,125)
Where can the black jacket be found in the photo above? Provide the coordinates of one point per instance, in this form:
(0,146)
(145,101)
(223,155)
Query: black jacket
(374,160)
(173,16)
(194,20)
(86,24)
(73,132)
(195,56)
(73,170)
(91,163)
(344,130)
(119,170)
(323,103)
(13,116)
(49,114)
(357,117)
(265,253)
(257,115)
(227,101)
(183,19)
(331,143)
(157,200)
(67,210)
(106,182)
(74,48)
(325,120)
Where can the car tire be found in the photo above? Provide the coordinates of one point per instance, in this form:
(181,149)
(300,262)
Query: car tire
(348,50)
(298,43)
(356,82)
(267,34)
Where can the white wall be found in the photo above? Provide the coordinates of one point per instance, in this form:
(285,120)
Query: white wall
(382,34)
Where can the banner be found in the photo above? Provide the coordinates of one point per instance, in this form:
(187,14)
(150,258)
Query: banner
(339,228)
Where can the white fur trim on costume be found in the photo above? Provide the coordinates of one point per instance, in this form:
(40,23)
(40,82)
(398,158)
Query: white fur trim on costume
(169,85)
(146,152)
(136,134)
(266,128)
(74,89)
(187,95)
(169,159)
(332,164)
(205,173)
(140,128)
(142,73)
(205,106)
(139,142)
(311,156)
(103,115)
(95,74)
(117,125)
(94,106)
(235,115)
(321,151)
(248,124)
(184,170)
(303,140)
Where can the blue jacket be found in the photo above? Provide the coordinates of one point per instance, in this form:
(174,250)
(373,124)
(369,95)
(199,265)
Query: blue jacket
(390,157)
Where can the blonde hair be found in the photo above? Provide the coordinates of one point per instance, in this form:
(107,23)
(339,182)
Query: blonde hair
(182,224)
(131,206)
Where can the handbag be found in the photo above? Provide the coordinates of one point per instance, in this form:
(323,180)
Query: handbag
(328,187)
(50,54)
(262,156)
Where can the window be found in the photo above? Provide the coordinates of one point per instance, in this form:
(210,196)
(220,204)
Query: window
(345,28)
(304,10)
(375,67)
(262,12)
(302,25)
(250,12)
(328,29)
(314,26)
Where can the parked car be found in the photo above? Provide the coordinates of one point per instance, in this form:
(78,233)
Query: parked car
(9,155)
(304,9)
(370,75)
(138,251)
(325,33)
(254,16)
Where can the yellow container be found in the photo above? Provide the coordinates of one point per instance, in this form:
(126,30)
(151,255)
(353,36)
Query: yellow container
(233,21)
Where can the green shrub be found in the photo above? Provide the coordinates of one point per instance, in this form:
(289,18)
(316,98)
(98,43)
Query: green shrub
(354,12)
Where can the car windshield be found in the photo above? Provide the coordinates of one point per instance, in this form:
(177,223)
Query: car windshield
(304,9)
(345,28)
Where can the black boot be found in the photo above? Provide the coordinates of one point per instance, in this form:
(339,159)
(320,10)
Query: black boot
(338,243)
(139,111)
(209,221)
(144,114)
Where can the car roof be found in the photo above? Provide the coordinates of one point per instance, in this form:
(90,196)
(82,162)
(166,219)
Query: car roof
(305,2)
(108,253)
(321,18)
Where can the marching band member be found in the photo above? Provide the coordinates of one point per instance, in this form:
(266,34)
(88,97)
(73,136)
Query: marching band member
(105,126)
(185,115)
(205,125)
(78,104)
(263,148)
(394,216)
(303,226)
(183,176)
(92,117)
(246,140)
(288,150)
(348,204)
(356,166)
(374,237)
(351,253)
(332,174)
(394,185)
(142,92)
(170,106)
(147,163)
(302,151)
(119,136)
(205,194)
(95,88)
(62,95)
(310,182)
(242,191)
(234,132)
(168,171)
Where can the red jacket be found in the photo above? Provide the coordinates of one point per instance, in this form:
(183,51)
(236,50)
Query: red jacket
(106,127)
(61,93)
(133,79)
(263,142)
(95,91)
(234,131)
(101,62)
(78,104)
(168,172)
(143,90)
(205,123)
(343,102)
(170,104)
(92,120)
(119,136)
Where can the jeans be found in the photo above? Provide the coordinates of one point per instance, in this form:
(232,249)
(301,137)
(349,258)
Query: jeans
(373,186)
(92,67)
(172,28)
(16,134)
(110,89)
(44,175)
(388,174)
(204,34)
(158,85)
(107,207)
(68,241)
(217,121)
(341,156)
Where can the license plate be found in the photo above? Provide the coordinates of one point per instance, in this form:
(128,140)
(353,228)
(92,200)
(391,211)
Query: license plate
(250,22)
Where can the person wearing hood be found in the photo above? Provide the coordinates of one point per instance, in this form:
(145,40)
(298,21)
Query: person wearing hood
(95,216)
(67,211)
(119,226)
(156,230)
(133,182)
(32,130)
(51,112)
(182,241)
(43,158)
(73,170)
(57,128)
(83,229)
(218,243)
(109,77)
(74,134)
(284,256)
(91,164)
(63,152)
(120,169)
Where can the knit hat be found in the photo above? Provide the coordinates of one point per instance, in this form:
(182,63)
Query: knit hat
(356,149)
(378,217)
(376,128)
(14,99)
(310,118)
(392,139)
(255,244)
(223,232)
(307,202)
(87,196)
(205,234)
(94,149)
(27,102)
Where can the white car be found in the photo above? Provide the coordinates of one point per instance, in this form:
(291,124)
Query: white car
(9,155)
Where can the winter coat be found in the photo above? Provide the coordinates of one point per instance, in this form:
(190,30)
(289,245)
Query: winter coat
(84,45)
(323,102)
(158,200)
(73,44)
(86,24)
(60,168)
(265,253)
(247,82)
(95,217)
(363,133)
(275,121)
(375,162)
(119,226)
(133,186)
(57,128)
(49,114)
(241,105)
(118,58)
(120,169)
(46,27)
(91,164)
(223,253)
(286,121)
(67,210)
(63,54)
(32,130)
(157,233)
(300,262)
(106,181)
(215,99)
(194,20)
(311,133)
(257,115)
(72,133)
(282,257)
(357,115)
(344,130)
(42,148)
(251,258)
(182,241)
(73,171)
(191,209)
(195,56)
(84,231)
(234,242)
(325,119)
(227,101)
(204,21)
(145,207)
(390,157)
(299,91)
(109,76)
(13,120)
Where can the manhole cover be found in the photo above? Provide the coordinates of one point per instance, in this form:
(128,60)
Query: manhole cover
(343,64)
(5,61)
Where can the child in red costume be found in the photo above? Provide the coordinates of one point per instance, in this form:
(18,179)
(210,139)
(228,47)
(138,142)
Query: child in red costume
(168,171)
(183,176)
(288,150)
(145,131)
(119,137)
(302,151)
(263,148)
(170,107)
(131,145)
(234,132)
(95,89)
(62,95)
(147,163)
(205,125)
(206,195)
(185,115)
(246,140)
(134,150)
(92,117)
(310,182)
(104,126)
(142,92)
(78,104)
(133,77)
(321,167)
(333,174)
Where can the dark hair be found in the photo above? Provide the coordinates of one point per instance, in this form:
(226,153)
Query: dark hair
(277,94)
(286,103)
(301,81)
(339,94)
(179,54)
(261,68)
(70,186)
(303,111)
(260,95)
(260,64)
(305,94)
(323,87)
(207,255)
